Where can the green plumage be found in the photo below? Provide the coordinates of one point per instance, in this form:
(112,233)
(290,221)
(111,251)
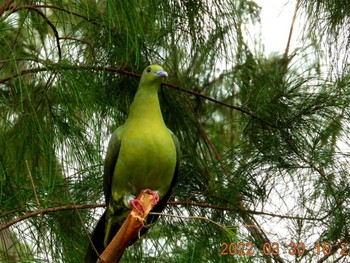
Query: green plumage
(142,154)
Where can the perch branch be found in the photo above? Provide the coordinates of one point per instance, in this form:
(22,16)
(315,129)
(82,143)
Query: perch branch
(128,231)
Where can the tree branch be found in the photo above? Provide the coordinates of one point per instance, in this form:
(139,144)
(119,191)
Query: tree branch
(14,9)
(291,29)
(47,211)
(64,67)
(237,108)
(203,131)
(190,217)
(60,9)
(217,207)
(23,72)
(5,6)
(128,231)
(73,207)
(120,70)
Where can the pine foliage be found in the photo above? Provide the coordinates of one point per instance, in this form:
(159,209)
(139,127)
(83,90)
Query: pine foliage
(264,139)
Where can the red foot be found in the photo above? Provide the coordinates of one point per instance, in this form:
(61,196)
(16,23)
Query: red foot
(136,203)
(155,196)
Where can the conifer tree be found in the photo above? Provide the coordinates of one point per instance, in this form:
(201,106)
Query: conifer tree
(264,175)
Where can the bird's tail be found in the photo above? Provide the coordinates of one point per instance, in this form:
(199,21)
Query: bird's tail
(96,246)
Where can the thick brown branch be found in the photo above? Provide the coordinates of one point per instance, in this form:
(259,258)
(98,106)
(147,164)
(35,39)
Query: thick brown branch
(128,231)
(5,6)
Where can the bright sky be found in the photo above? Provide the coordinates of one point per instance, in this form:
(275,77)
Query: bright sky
(276,19)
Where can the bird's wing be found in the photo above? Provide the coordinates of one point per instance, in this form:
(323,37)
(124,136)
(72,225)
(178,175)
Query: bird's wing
(98,234)
(109,164)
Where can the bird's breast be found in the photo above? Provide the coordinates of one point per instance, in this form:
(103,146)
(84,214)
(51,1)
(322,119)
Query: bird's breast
(147,159)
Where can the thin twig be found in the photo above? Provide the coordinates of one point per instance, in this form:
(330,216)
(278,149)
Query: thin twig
(23,72)
(240,109)
(41,231)
(47,21)
(203,132)
(47,211)
(291,29)
(201,218)
(32,184)
(189,217)
(120,70)
(217,207)
(64,10)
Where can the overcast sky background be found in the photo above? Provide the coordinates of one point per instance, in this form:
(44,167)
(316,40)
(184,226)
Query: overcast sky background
(276,19)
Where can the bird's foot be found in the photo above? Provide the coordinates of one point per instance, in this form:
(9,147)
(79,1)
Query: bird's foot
(136,203)
(155,196)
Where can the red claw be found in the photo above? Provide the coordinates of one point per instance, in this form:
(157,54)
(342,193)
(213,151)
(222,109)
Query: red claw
(136,203)
(155,196)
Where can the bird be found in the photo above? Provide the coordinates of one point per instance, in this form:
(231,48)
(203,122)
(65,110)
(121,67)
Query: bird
(142,154)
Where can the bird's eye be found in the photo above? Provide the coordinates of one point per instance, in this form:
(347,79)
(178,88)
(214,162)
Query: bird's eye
(148,70)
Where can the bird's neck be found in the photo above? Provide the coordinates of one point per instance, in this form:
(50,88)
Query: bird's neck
(145,106)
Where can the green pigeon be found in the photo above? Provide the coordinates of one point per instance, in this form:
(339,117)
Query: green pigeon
(143,154)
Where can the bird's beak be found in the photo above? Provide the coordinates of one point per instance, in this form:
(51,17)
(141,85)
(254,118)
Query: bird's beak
(162,73)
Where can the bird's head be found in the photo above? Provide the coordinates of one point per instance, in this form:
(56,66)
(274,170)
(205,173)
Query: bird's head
(153,75)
